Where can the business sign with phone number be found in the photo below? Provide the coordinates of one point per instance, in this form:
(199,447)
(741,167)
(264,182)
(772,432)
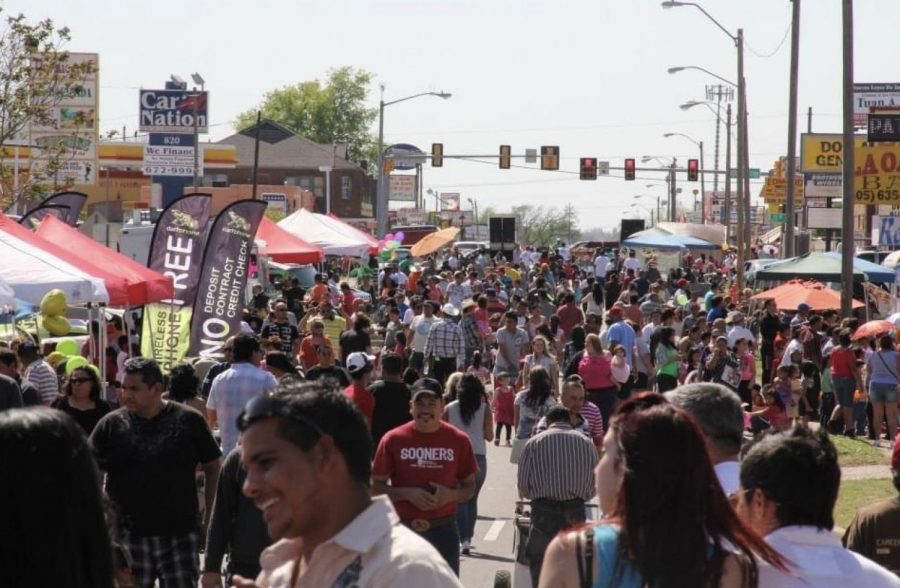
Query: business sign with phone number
(877,165)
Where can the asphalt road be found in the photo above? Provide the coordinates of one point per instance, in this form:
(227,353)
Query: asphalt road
(493,541)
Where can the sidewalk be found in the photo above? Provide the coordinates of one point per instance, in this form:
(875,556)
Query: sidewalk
(866,472)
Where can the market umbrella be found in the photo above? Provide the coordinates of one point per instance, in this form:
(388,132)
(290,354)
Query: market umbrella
(815,265)
(873,329)
(431,243)
(790,295)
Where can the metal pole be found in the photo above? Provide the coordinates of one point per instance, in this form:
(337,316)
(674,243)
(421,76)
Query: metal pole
(380,201)
(672,195)
(847,243)
(742,170)
(702,187)
(657,210)
(256,152)
(789,245)
(718,127)
(328,191)
(107,207)
(196,144)
(727,220)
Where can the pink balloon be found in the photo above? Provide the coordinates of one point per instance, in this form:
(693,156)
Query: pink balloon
(381,244)
(389,237)
(399,236)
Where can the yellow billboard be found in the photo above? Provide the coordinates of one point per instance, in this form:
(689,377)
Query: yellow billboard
(876,165)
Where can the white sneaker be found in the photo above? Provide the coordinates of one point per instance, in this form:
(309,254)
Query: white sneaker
(465,547)
(876,442)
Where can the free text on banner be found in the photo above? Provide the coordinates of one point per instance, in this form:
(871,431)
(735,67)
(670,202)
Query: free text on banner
(219,305)
(877,165)
(176,250)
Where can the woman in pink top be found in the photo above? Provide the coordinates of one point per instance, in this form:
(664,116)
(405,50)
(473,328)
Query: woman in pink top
(748,370)
(595,369)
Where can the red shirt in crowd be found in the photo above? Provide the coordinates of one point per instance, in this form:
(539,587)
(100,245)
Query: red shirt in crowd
(363,400)
(843,363)
(413,459)
(596,371)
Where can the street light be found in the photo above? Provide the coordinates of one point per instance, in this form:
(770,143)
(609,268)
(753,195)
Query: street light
(198,79)
(742,142)
(674,70)
(381,203)
(702,178)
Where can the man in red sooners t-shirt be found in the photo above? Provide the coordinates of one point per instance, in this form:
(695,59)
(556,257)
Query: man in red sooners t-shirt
(431,468)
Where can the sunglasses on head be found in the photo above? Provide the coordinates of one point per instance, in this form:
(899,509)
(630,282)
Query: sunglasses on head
(266,406)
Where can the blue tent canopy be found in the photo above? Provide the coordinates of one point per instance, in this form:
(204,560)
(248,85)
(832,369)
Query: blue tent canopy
(875,273)
(658,239)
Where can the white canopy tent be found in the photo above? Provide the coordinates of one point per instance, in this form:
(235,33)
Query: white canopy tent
(7,295)
(332,236)
(32,272)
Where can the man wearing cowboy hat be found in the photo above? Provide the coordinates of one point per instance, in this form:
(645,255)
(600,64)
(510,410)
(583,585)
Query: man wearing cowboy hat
(445,349)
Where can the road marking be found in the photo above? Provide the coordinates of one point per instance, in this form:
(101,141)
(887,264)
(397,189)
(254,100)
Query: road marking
(494,532)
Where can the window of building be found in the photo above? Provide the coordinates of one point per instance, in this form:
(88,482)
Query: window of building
(346,187)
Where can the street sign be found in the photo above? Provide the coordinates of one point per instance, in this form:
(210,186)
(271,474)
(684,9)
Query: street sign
(169,155)
(602,168)
(866,96)
(776,189)
(531,156)
(405,156)
(777,217)
(754,173)
(884,126)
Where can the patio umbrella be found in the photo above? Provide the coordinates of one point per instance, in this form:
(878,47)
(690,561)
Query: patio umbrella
(431,243)
(873,329)
(790,295)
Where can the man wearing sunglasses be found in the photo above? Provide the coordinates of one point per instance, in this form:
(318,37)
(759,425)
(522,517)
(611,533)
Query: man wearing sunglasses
(431,468)
(306,451)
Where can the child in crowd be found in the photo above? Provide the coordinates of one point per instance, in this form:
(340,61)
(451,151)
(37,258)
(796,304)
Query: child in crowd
(502,404)
(773,415)
(690,365)
(799,407)
(478,369)
(400,347)
(811,384)
(748,369)
(783,388)
(619,365)
(826,395)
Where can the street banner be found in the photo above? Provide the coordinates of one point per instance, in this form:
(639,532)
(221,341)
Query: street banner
(73,201)
(218,308)
(34,216)
(176,250)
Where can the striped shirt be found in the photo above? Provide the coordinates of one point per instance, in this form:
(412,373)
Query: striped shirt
(591,424)
(445,339)
(558,465)
(230,392)
(40,375)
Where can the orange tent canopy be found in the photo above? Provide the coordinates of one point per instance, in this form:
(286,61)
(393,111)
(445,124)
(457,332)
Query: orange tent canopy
(817,295)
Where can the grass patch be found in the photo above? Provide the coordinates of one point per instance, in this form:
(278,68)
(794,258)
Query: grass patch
(858,451)
(856,493)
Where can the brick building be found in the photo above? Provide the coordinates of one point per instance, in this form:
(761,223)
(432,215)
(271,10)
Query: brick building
(286,158)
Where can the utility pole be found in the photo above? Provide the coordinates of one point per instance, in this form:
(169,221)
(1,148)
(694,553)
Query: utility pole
(727,175)
(196,143)
(847,241)
(742,171)
(788,246)
(672,192)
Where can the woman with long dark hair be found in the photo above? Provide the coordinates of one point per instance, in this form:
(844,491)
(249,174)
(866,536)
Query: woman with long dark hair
(666,356)
(529,406)
(471,414)
(669,524)
(53,530)
(81,398)
(183,386)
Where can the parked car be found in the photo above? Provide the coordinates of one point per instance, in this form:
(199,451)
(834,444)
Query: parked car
(754,265)
(306,277)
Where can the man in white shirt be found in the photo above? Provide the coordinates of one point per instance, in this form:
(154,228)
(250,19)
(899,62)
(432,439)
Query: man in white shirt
(789,484)
(601,262)
(738,331)
(631,263)
(418,335)
(718,412)
(307,453)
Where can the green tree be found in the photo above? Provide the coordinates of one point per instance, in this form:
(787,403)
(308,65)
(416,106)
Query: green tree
(542,227)
(35,76)
(331,112)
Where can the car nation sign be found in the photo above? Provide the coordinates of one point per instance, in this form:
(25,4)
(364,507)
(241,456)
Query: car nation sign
(173,111)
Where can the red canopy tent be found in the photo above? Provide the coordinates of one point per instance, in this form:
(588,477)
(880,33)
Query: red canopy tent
(285,247)
(116,285)
(143,284)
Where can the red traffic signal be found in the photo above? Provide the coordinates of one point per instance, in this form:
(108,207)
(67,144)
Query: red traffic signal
(693,170)
(629,170)
(588,168)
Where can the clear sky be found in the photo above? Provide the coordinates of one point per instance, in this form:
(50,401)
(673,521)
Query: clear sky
(587,75)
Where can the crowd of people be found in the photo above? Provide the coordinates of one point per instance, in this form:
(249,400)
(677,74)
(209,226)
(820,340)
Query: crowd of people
(343,440)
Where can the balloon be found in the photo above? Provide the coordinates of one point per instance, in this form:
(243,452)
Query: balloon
(381,243)
(682,299)
(399,236)
(54,303)
(67,347)
(392,245)
(75,362)
(94,369)
(56,325)
(55,358)
(389,237)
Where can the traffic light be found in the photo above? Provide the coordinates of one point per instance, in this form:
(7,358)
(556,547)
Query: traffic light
(437,155)
(549,157)
(588,167)
(629,170)
(505,156)
(693,170)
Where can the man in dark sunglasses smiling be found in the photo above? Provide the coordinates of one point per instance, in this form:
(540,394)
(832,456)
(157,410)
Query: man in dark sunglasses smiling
(306,450)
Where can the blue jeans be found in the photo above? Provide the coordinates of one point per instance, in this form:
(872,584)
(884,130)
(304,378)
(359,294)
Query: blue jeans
(446,540)
(467,511)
